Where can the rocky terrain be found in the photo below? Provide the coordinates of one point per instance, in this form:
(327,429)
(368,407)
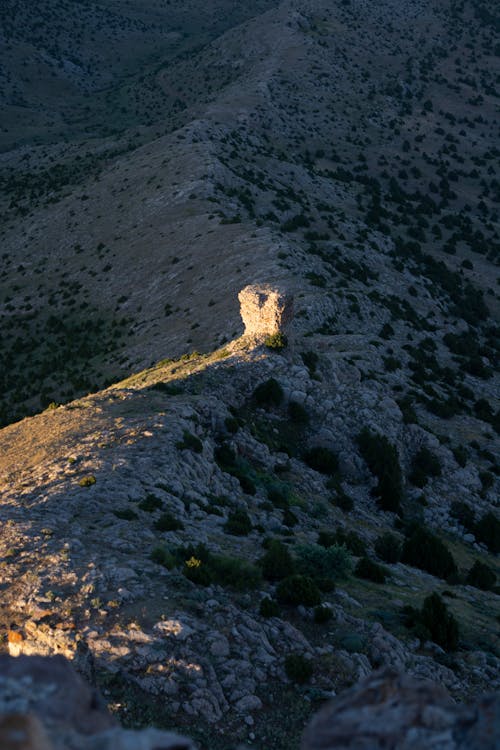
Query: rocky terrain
(45,705)
(224,530)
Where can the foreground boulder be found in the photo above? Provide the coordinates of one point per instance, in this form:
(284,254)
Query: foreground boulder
(391,711)
(46,705)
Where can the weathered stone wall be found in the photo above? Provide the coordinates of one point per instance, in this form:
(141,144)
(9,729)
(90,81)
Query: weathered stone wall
(265,310)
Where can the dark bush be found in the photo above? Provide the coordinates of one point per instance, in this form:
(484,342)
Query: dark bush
(238,523)
(481,576)
(297,413)
(322,564)
(322,459)
(277,562)
(246,483)
(487,531)
(150,504)
(162,556)
(289,518)
(370,570)
(327,538)
(487,480)
(224,456)
(168,522)
(442,626)
(343,501)
(310,359)
(190,442)
(388,548)
(463,513)
(126,514)
(424,465)
(298,669)
(298,589)
(231,424)
(382,460)
(352,542)
(269,608)
(198,572)
(268,393)
(231,571)
(228,461)
(425,551)
(460,455)
(322,614)
(204,568)
(278,497)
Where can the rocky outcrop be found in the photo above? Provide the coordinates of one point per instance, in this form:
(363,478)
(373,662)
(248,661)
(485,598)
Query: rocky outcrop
(391,711)
(265,310)
(46,705)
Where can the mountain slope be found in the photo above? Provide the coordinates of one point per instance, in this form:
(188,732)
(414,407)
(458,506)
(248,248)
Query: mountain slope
(346,153)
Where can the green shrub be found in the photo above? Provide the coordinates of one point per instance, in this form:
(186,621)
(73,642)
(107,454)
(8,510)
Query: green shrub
(350,540)
(370,570)
(190,442)
(87,481)
(268,393)
(168,522)
(276,341)
(322,614)
(246,483)
(298,669)
(322,459)
(298,415)
(298,589)
(440,623)
(269,608)
(382,460)
(424,465)
(425,551)
(234,572)
(204,568)
(481,576)
(162,556)
(278,496)
(487,531)
(388,548)
(277,562)
(319,563)
(238,523)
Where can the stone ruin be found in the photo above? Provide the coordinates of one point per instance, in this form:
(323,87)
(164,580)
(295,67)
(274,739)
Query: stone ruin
(265,310)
